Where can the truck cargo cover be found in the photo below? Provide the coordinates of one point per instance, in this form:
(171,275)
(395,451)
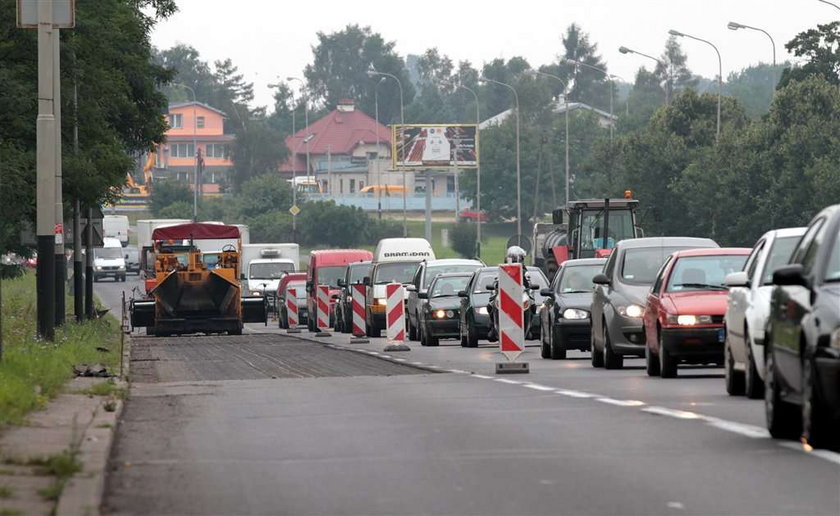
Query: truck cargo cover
(196,231)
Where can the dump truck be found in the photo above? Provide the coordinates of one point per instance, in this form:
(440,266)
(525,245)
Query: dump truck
(189,297)
(586,228)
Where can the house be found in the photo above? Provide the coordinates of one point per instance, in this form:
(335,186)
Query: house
(196,137)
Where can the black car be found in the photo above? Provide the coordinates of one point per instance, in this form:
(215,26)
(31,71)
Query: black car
(439,306)
(354,275)
(535,282)
(564,318)
(474,318)
(426,272)
(802,347)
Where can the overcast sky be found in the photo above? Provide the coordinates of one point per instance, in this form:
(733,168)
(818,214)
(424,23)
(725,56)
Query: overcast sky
(267,39)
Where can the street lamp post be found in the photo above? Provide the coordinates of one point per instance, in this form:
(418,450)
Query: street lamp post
(518,169)
(832,4)
(566,102)
(735,26)
(677,33)
(612,87)
(376,130)
(305,117)
(372,73)
(625,50)
(477,169)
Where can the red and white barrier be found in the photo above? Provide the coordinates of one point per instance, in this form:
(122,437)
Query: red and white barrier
(292,308)
(357,302)
(511,315)
(395,313)
(322,304)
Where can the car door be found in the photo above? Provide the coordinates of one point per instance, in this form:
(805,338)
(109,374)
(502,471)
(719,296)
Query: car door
(600,297)
(738,302)
(549,313)
(653,306)
(413,304)
(465,304)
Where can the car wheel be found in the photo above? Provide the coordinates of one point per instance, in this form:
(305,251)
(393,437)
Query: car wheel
(558,347)
(734,379)
(597,356)
(652,360)
(612,360)
(412,331)
(753,386)
(545,345)
(667,363)
(816,426)
(433,341)
(783,421)
(472,337)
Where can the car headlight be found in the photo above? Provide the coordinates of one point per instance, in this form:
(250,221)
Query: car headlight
(834,342)
(256,293)
(575,314)
(689,320)
(122,267)
(381,301)
(481,310)
(98,268)
(633,311)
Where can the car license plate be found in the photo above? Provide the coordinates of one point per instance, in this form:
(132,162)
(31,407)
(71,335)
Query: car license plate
(721,335)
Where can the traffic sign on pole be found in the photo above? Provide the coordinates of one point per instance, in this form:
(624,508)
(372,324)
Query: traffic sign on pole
(511,311)
(395,317)
(322,310)
(358,305)
(292,311)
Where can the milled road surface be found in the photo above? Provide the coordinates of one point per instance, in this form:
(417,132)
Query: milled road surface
(367,436)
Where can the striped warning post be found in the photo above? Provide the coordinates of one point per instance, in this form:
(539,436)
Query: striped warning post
(358,304)
(395,317)
(292,308)
(511,316)
(322,307)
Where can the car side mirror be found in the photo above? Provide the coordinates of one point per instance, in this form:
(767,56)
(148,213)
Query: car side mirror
(423,295)
(491,287)
(793,274)
(242,277)
(534,287)
(126,257)
(736,279)
(547,292)
(462,293)
(341,282)
(366,281)
(411,288)
(601,279)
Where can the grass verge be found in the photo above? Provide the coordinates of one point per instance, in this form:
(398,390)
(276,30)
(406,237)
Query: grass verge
(34,371)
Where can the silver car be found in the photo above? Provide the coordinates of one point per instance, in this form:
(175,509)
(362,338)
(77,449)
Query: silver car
(747,310)
(620,293)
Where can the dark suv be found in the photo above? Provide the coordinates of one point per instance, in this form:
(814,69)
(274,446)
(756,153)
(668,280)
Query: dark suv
(802,347)
(426,272)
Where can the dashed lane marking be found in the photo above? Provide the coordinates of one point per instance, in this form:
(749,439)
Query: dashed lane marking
(538,387)
(621,403)
(576,394)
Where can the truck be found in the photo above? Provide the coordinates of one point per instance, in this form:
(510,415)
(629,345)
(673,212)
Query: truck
(116,226)
(264,264)
(189,297)
(586,228)
(145,228)
(211,249)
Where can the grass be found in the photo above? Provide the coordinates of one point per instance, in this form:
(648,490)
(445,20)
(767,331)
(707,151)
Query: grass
(62,466)
(107,388)
(5,492)
(34,371)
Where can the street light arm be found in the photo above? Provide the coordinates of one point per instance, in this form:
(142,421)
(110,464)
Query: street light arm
(735,26)
(832,4)
(720,71)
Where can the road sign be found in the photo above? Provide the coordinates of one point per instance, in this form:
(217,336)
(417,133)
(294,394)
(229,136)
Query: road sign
(59,233)
(511,312)
(294,210)
(292,308)
(358,304)
(395,317)
(322,307)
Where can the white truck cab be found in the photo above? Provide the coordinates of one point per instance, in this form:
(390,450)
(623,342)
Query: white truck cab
(264,264)
(109,260)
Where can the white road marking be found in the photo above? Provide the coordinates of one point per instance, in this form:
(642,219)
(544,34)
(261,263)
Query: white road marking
(483,377)
(676,505)
(575,394)
(822,454)
(679,414)
(417,363)
(399,360)
(538,387)
(458,371)
(621,403)
(756,432)
(505,380)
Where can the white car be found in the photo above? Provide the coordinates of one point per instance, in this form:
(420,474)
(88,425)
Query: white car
(748,308)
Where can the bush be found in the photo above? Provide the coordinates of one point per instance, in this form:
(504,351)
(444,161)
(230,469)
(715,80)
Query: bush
(325,223)
(385,228)
(167,193)
(462,238)
(177,210)
(275,226)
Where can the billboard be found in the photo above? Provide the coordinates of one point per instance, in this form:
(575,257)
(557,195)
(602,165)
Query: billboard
(431,146)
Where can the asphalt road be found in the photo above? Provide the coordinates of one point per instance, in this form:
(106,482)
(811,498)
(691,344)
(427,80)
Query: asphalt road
(270,424)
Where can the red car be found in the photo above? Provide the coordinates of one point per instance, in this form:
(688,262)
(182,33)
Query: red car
(683,316)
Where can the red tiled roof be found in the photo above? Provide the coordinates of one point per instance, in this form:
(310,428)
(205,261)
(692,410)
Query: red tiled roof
(339,132)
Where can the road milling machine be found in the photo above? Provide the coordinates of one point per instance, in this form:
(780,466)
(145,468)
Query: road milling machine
(189,296)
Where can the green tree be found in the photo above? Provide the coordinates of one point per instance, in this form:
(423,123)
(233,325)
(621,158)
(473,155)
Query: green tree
(167,193)
(672,69)
(259,149)
(754,87)
(588,86)
(263,194)
(821,48)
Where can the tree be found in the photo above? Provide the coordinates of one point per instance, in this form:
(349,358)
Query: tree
(588,85)
(259,149)
(754,87)
(646,96)
(339,70)
(167,193)
(672,69)
(821,48)
(263,194)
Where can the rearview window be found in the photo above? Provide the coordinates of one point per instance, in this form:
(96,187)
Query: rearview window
(640,265)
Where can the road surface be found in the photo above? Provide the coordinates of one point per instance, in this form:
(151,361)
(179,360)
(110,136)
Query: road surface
(267,423)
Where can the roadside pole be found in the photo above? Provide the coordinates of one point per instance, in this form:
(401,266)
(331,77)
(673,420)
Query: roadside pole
(89,308)
(457,189)
(60,260)
(428,222)
(78,266)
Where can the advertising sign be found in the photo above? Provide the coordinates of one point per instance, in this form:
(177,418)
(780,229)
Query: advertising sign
(435,146)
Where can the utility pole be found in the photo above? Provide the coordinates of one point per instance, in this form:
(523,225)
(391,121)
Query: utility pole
(89,308)
(78,267)
(60,260)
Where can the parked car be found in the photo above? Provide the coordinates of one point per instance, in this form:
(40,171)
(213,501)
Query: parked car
(802,349)
(132,259)
(618,302)
(325,268)
(292,281)
(747,310)
(564,318)
(355,274)
(439,306)
(426,272)
(684,310)
(474,318)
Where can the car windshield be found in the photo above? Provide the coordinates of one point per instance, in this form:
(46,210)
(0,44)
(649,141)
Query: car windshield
(832,271)
(395,272)
(693,273)
(358,273)
(779,255)
(448,286)
(536,277)
(484,279)
(270,271)
(641,265)
(330,275)
(592,227)
(578,278)
(108,253)
(434,270)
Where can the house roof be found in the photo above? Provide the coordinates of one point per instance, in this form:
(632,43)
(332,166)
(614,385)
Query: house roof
(559,108)
(339,132)
(202,104)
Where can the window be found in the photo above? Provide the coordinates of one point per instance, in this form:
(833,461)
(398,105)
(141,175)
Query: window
(779,255)
(577,279)
(361,185)
(352,186)
(752,261)
(199,122)
(176,121)
(340,186)
(642,263)
(182,150)
(217,150)
(801,249)
(832,270)
(657,285)
(694,273)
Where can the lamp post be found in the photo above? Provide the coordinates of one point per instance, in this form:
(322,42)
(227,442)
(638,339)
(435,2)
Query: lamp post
(376,130)
(518,169)
(677,33)
(606,76)
(566,102)
(372,73)
(735,26)
(195,153)
(832,4)
(305,117)
(625,50)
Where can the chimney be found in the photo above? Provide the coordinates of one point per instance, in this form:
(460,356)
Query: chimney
(346,105)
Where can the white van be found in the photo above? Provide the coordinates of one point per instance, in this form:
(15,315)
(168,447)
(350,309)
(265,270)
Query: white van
(109,260)
(116,226)
(395,260)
